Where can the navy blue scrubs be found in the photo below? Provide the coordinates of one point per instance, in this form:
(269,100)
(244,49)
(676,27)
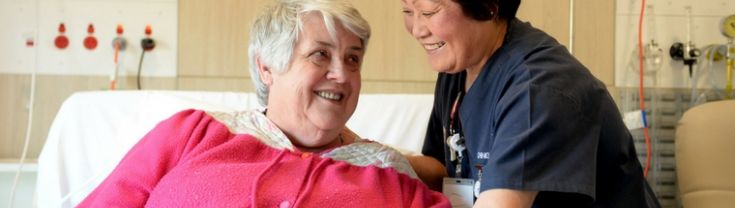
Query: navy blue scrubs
(536,119)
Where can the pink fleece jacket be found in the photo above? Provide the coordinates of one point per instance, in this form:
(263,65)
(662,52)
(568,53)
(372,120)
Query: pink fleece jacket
(193,160)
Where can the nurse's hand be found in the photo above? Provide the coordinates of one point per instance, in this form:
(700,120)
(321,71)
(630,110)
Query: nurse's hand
(505,198)
(429,170)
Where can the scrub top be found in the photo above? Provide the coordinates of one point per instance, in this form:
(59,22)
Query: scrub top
(537,119)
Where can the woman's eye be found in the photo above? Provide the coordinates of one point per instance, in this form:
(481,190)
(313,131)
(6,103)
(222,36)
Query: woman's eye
(319,56)
(427,14)
(407,12)
(354,59)
(352,62)
(321,53)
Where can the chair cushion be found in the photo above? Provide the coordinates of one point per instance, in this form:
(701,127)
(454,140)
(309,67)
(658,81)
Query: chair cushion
(705,142)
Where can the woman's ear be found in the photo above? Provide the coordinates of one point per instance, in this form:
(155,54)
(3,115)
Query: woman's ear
(266,75)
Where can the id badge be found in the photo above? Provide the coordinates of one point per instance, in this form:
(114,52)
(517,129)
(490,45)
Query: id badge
(459,191)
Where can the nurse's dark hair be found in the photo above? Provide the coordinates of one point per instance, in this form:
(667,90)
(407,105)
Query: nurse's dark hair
(487,9)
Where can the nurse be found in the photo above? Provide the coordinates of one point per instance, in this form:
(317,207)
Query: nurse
(519,116)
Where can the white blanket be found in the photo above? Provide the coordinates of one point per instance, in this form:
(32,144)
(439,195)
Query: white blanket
(94,130)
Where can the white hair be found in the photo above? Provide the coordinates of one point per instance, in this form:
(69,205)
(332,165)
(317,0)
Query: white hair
(275,32)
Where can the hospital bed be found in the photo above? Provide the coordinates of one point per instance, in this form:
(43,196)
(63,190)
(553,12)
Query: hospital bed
(93,130)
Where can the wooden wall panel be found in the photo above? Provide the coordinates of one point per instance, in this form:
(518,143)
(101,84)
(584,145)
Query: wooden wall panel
(213,36)
(146,83)
(240,84)
(594,37)
(213,40)
(418,87)
(245,85)
(14,90)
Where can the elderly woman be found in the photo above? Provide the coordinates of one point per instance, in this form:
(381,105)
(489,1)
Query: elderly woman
(305,59)
(518,116)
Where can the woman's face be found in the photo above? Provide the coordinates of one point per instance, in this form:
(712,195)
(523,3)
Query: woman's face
(453,41)
(314,98)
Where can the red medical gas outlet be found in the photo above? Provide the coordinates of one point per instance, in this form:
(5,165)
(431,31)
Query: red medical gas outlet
(90,42)
(61,40)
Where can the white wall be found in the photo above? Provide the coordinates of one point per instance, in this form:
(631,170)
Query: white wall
(22,19)
(667,24)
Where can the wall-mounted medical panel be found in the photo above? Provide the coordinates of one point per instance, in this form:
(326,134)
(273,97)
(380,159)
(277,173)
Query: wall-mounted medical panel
(40,20)
(667,22)
(17,25)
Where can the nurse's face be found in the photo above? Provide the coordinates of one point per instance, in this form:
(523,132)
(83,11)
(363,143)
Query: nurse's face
(313,99)
(453,41)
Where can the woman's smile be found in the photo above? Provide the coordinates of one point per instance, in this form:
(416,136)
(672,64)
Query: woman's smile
(333,96)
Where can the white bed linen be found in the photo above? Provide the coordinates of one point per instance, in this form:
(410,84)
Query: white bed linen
(94,130)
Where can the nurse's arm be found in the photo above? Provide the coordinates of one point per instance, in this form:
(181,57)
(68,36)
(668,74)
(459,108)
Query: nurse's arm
(429,170)
(505,198)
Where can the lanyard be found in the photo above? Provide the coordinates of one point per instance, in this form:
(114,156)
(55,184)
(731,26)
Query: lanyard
(455,141)
(453,113)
